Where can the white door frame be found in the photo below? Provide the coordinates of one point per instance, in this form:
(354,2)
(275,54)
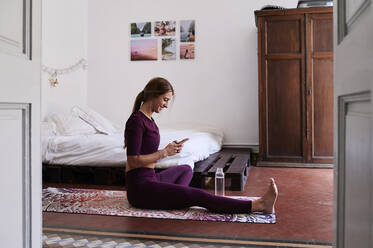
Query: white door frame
(353,84)
(20,92)
(26,165)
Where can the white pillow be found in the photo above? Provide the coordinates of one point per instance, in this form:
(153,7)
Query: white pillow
(99,122)
(48,128)
(70,124)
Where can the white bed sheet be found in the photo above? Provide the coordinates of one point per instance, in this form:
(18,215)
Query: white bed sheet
(107,150)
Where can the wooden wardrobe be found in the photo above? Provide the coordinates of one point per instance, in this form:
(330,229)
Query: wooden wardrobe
(295,63)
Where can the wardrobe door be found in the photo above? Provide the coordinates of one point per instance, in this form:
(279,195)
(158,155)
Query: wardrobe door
(319,40)
(282,102)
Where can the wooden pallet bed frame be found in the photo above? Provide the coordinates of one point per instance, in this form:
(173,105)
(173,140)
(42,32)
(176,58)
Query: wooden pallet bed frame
(235,167)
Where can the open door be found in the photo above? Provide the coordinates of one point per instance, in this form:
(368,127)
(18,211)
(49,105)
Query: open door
(353,81)
(20,159)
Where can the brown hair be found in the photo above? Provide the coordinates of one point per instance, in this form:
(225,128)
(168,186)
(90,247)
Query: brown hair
(153,89)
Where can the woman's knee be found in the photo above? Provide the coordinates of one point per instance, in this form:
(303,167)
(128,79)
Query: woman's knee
(186,169)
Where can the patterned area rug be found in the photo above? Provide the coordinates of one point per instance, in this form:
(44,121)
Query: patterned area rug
(108,202)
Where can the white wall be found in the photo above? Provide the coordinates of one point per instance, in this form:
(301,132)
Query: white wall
(218,88)
(64,43)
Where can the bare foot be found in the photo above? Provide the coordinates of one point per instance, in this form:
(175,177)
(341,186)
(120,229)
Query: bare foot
(266,203)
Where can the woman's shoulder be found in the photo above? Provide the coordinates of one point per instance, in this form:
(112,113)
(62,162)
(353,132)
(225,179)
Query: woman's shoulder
(135,119)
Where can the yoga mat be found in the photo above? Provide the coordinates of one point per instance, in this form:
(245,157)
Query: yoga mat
(109,202)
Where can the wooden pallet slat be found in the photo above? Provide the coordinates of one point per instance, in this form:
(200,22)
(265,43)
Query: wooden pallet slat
(238,172)
(221,163)
(239,164)
(204,165)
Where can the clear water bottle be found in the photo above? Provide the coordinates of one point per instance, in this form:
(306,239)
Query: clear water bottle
(219,182)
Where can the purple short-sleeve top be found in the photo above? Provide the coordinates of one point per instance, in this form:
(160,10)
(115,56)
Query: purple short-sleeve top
(141,135)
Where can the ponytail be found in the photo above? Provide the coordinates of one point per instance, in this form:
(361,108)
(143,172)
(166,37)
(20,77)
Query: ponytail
(139,99)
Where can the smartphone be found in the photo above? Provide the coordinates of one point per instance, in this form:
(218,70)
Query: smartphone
(182,141)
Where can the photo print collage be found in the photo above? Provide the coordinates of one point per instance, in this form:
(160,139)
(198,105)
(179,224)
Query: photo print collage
(145,37)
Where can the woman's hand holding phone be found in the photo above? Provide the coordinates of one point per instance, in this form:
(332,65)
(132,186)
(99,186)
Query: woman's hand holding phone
(175,147)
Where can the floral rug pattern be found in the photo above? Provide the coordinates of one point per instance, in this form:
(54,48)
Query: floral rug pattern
(109,202)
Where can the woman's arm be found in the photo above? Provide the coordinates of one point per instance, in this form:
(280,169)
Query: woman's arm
(137,161)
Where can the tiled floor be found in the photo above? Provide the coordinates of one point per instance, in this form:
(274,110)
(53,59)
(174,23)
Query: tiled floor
(90,239)
(304,212)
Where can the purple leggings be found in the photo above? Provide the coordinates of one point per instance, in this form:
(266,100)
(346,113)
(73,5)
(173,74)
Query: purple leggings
(169,189)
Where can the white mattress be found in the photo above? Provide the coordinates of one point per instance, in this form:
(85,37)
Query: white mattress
(107,150)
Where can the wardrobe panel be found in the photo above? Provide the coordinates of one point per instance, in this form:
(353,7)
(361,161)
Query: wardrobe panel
(322,33)
(283,36)
(322,108)
(284,103)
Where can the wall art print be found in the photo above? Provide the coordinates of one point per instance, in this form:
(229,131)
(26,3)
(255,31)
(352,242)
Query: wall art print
(186,51)
(144,49)
(165,28)
(187,31)
(168,49)
(141,29)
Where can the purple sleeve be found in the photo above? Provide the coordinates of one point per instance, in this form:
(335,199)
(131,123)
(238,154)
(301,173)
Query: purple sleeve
(133,136)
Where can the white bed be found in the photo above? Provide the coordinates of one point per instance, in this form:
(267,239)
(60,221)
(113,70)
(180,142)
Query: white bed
(68,141)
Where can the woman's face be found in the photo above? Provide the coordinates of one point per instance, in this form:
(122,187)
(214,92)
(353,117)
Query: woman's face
(161,102)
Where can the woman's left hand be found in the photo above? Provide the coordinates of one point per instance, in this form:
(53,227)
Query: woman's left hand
(179,146)
(173,148)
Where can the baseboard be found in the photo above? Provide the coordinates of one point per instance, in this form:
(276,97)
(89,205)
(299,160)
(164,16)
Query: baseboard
(253,148)
(293,165)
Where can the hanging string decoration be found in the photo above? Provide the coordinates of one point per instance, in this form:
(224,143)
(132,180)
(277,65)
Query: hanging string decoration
(53,72)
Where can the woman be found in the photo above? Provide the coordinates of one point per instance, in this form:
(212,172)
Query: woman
(169,189)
